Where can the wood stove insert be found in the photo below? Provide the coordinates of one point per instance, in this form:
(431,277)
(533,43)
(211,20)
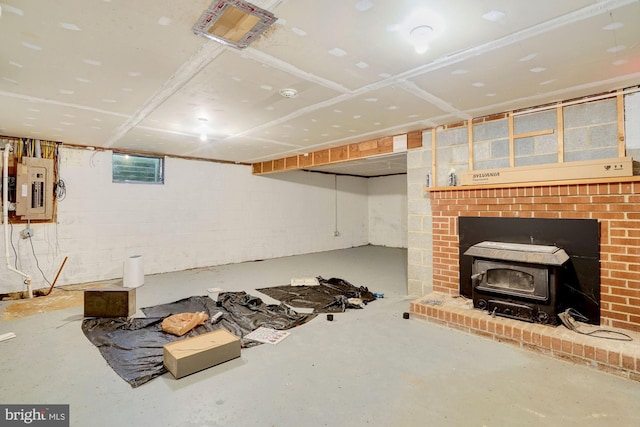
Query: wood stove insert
(577,281)
(517,280)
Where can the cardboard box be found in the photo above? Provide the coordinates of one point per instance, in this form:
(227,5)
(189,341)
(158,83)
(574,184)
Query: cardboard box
(194,354)
(113,302)
(620,167)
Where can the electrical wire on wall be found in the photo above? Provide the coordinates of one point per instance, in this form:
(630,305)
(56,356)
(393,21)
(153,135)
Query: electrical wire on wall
(15,253)
(59,187)
(37,262)
(336,232)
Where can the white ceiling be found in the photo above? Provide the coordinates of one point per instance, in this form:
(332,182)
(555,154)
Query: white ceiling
(132,75)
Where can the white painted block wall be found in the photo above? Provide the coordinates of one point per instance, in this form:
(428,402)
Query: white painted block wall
(205,214)
(388,211)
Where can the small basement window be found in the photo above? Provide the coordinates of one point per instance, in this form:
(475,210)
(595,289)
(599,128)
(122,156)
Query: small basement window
(135,168)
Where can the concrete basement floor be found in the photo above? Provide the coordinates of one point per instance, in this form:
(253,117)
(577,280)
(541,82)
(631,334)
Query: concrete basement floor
(366,368)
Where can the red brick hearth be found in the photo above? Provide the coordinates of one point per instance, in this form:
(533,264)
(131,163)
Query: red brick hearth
(621,358)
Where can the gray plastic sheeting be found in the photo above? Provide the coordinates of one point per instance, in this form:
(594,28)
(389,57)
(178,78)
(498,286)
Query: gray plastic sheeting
(134,347)
(329,296)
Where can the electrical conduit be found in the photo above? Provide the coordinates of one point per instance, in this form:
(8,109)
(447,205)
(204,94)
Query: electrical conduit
(5,217)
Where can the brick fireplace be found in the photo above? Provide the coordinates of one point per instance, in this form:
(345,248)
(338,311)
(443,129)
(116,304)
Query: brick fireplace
(615,204)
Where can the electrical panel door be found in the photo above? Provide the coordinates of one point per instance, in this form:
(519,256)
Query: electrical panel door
(34,189)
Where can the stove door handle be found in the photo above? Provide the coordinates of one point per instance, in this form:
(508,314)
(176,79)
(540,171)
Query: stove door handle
(477,278)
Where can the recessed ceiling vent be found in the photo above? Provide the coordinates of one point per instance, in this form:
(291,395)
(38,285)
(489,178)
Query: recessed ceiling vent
(234,22)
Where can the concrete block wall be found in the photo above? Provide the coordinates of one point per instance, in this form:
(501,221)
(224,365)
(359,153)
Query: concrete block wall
(491,144)
(452,153)
(632,128)
(206,214)
(591,131)
(420,237)
(536,150)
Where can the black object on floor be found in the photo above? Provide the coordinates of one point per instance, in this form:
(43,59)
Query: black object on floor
(330,296)
(133,347)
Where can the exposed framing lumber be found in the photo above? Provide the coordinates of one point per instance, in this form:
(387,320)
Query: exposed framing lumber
(344,153)
(434,162)
(470,140)
(577,101)
(621,135)
(560,126)
(531,184)
(512,154)
(534,133)
(414,139)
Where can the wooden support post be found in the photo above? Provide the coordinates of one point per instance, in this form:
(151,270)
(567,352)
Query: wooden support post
(560,115)
(512,154)
(470,139)
(622,148)
(434,163)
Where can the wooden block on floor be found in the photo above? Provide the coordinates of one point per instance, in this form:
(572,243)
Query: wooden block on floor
(114,302)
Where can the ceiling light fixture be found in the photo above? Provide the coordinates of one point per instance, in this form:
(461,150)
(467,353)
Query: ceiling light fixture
(420,37)
(234,23)
(420,28)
